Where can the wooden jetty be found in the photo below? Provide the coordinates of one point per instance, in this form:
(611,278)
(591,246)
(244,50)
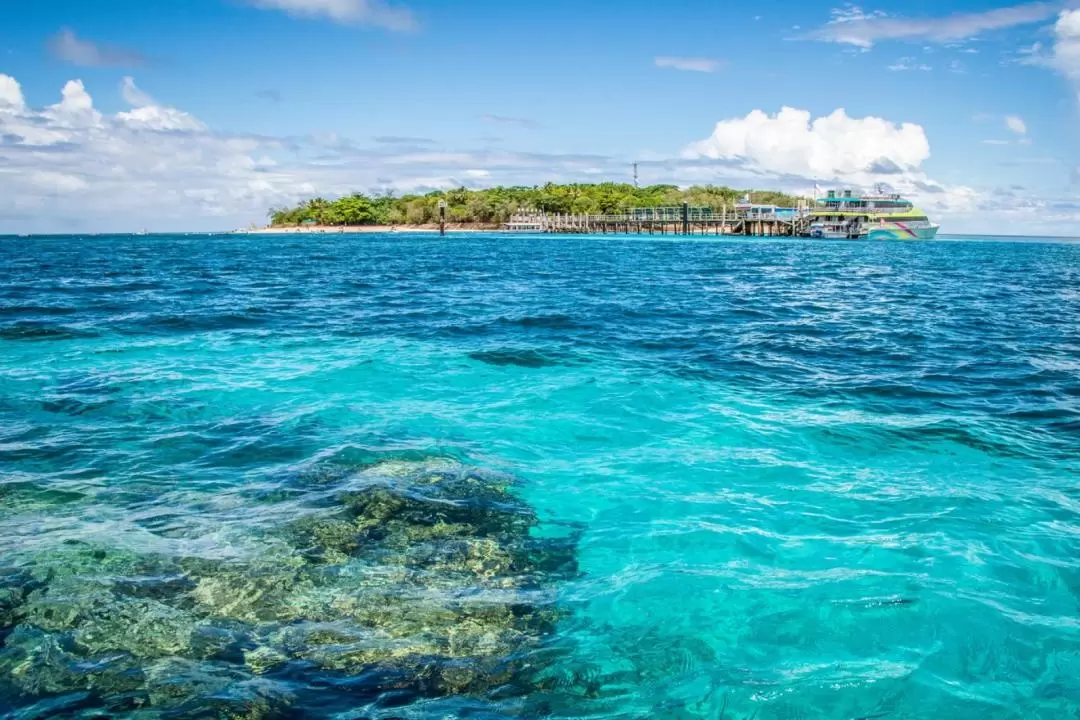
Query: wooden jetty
(747,220)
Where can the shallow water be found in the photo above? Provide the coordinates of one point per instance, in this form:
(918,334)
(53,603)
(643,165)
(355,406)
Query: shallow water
(375,477)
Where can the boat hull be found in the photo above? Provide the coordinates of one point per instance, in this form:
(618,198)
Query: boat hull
(820,234)
(903,231)
(832,236)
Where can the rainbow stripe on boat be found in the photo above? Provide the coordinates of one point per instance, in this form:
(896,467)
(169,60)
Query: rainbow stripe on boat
(877,216)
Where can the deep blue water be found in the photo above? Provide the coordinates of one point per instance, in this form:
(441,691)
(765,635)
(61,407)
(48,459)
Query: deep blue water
(389,477)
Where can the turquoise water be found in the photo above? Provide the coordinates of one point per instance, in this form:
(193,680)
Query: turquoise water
(398,477)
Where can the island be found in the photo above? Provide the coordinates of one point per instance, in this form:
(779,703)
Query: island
(490,208)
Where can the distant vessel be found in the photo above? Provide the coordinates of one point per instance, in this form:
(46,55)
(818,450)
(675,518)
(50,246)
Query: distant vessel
(875,216)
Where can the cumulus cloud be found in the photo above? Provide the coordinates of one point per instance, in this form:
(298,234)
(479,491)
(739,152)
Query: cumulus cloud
(1064,55)
(11,95)
(74,112)
(853,26)
(705,65)
(68,46)
(74,100)
(67,167)
(793,151)
(352,12)
(146,114)
(137,164)
(829,147)
(1015,124)
(132,95)
(159,167)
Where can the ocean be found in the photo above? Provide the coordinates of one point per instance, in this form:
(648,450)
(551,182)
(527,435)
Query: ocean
(569,477)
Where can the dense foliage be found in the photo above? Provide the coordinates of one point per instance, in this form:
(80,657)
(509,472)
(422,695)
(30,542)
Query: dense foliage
(496,205)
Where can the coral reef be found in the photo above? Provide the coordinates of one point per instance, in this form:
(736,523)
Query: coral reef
(423,574)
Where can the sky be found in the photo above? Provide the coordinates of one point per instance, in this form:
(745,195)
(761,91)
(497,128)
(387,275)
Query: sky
(124,115)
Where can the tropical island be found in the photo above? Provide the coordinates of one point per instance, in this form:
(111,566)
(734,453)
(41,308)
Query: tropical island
(490,208)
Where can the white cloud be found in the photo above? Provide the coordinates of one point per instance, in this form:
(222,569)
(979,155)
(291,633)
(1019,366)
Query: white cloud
(1034,49)
(159,119)
(852,26)
(114,169)
(133,96)
(908,63)
(159,167)
(704,65)
(1016,124)
(75,109)
(68,168)
(146,114)
(851,13)
(56,182)
(1064,56)
(74,99)
(793,151)
(10,93)
(355,12)
(68,46)
(829,147)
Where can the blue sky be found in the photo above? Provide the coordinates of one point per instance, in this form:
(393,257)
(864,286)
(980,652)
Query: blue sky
(202,114)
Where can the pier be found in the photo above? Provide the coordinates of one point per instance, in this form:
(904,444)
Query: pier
(745,220)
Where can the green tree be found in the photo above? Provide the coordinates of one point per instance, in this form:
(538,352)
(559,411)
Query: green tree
(497,204)
(355,210)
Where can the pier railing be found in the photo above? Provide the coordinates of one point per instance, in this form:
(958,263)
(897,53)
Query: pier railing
(668,220)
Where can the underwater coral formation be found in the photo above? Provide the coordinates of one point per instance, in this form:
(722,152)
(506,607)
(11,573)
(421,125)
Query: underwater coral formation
(424,578)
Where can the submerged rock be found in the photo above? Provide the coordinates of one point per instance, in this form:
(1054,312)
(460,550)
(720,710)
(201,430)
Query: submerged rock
(14,585)
(424,574)
(26,497)
(39,663)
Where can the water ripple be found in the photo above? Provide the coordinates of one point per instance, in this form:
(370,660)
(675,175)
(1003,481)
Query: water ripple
(364,476)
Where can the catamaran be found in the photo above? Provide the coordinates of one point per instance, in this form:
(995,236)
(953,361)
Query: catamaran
(875,216)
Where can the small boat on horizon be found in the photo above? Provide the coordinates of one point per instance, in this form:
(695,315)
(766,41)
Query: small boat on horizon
(874,216)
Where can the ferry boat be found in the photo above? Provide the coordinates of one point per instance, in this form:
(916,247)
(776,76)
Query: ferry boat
(875,216)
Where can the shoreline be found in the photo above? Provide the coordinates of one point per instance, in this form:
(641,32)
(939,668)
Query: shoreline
(350,229)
